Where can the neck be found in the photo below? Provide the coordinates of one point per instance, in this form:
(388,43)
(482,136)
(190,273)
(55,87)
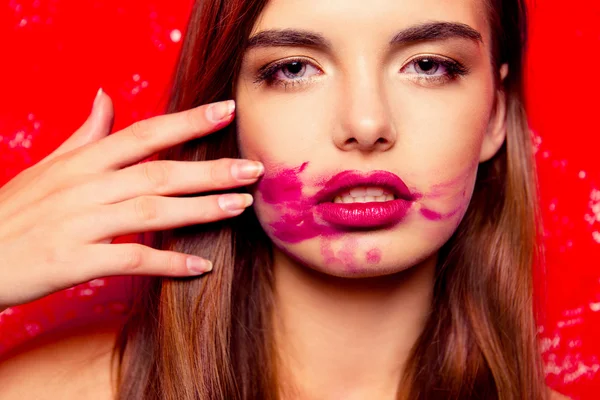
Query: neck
(347,338)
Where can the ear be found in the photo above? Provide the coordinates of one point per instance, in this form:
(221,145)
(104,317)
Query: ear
(496,132)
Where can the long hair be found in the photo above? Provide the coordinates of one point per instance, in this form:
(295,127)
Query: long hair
(210,337)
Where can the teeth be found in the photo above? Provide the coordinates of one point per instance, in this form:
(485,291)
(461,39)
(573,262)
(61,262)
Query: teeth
(364,195)
(358,192)
(374,192)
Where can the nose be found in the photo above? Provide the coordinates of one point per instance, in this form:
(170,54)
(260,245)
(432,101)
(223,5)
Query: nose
(365,124)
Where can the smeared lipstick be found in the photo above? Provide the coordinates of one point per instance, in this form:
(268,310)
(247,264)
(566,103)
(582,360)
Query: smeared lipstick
(368,214)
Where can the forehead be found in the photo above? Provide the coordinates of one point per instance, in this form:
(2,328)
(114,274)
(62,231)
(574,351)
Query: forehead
(355,19)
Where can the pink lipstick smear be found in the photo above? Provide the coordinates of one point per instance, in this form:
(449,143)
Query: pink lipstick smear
(283,190)
(373,256)
(296,219)
(436,216)
(453,188)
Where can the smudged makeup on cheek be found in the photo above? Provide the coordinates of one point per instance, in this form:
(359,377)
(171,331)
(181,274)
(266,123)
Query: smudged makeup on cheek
(453,189)
(296,222)
(282,189)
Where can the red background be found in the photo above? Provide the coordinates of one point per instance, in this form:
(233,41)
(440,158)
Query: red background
(55,54)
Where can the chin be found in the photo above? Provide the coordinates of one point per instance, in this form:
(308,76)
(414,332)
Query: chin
(357,254)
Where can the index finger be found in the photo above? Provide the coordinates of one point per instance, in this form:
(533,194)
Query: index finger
(145,138)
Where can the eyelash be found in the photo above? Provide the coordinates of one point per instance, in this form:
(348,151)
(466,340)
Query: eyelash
(454,69)
(266,74)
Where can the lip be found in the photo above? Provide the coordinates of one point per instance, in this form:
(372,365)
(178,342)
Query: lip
(364,215)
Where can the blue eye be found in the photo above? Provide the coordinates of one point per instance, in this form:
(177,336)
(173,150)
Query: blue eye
(434,68)
(291,71)
(294,69)
(428,66)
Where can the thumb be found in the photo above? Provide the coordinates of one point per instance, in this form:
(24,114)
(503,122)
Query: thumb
(98,125)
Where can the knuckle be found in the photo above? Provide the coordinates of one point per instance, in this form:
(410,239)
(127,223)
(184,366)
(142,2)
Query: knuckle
(141,130)
(220,171)
(55,169)
(56,256)
(157,174)
(146,208)
(173,264)
(195,121)
(133,258)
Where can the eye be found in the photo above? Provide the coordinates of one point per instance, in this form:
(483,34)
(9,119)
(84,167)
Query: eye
(294,69)
(434,68)
(427,66)
(286,72)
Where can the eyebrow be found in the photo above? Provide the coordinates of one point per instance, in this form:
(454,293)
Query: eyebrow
(436,31)
(428,31)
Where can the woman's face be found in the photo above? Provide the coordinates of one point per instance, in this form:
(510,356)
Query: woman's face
(371,118)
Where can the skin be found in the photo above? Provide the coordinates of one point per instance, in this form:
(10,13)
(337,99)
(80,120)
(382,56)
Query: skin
(359,109)
(337,337)
(434,134)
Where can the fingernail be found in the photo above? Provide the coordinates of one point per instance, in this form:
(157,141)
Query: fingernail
(198,265)
(219,111)
(97,99)
(244,170)
(234,202)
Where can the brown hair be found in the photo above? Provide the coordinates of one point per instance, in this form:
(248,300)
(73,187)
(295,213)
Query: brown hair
(210,337)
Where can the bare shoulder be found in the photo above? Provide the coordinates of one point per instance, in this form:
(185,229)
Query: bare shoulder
(70,365)
(557,396)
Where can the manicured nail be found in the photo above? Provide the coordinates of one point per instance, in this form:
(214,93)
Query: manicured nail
(244,170)
(219,111)
(198,265)
(97,99)
(235,202)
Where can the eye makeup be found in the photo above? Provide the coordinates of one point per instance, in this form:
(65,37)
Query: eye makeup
(425,70)
(426,66)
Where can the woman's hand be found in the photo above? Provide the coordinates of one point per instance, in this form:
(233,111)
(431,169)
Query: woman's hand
(58,217)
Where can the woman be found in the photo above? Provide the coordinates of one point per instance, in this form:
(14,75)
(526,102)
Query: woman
(390,246)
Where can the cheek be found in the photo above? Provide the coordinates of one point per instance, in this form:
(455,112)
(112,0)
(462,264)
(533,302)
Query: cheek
(283,128)
(443,135)
(441,132)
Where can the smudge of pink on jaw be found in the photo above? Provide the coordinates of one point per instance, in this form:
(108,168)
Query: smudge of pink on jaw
(430,214)
(441,189)
(436,216)
(303,167)
(347,252)
(327,252)
(345,257)
(283,186)
(283,190)
(373,256)
(445,189)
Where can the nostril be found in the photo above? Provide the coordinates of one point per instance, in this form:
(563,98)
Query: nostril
(351,141)
(381,141)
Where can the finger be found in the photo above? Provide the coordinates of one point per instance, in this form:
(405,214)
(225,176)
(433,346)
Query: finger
(146,137)
(152,213)
(98,125)
(103,260)
(170,178)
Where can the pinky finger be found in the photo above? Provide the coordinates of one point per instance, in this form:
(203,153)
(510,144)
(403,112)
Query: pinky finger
(137,259)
